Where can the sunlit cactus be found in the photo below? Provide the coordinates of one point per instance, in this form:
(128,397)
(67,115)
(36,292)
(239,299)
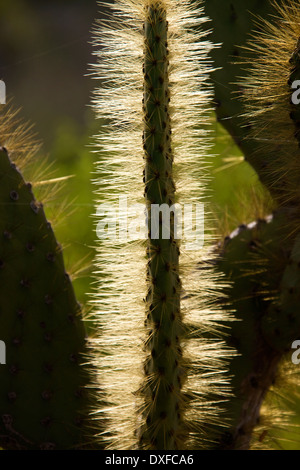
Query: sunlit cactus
(154,67)
(190,332)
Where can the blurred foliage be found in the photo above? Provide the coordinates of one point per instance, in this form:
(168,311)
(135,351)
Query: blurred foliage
(75,228)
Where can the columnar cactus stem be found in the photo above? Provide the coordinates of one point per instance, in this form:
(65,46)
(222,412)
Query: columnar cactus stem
(267,92)
(282,324)
(164,365)
(154,65)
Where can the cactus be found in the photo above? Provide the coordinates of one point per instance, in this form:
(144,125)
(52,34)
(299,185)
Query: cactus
(167,358)
(164,74)
(164,368)
(45,401)
(271,105)
(254,259)
(269,313)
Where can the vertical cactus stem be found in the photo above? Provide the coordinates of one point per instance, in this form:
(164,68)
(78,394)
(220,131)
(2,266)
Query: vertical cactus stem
(256,367)
(164,373)
(141,97)
(281,325)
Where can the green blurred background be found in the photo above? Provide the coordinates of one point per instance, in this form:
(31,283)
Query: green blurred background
(45,52)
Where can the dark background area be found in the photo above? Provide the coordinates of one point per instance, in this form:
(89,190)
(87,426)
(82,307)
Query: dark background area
(44,56)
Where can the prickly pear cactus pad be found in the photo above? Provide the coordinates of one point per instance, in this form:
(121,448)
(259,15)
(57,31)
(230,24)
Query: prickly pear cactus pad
(155,308)
(43,401)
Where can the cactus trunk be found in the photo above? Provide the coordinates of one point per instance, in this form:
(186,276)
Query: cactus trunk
(163,368)
(154,96)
